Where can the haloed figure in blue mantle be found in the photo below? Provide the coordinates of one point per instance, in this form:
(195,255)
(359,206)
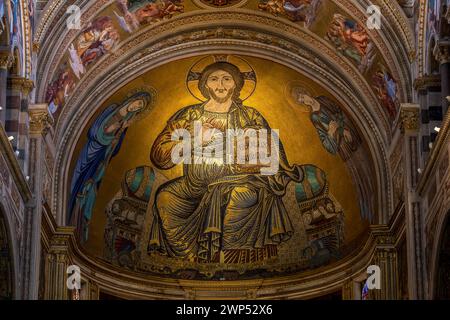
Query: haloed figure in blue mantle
(104,140)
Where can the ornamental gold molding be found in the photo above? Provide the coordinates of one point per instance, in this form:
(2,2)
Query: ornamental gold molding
(421,35)
(27,38)
(410,117)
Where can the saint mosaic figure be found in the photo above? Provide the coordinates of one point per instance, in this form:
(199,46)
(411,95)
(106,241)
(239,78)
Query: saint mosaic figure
(105,138)
(335,131)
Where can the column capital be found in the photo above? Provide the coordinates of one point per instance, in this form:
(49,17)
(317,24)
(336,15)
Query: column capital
(441,51)
(40,119)
(6,59)
(427,81)
(20,83)
(410,117)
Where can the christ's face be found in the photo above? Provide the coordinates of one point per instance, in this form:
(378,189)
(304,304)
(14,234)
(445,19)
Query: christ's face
(221,85)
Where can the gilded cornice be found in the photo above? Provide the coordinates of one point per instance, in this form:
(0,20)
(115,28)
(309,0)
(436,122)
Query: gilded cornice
(399,18)
(48,15)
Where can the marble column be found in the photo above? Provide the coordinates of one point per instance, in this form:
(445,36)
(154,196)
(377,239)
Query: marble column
(24,122)
(347,290)
(40,121)
(16,123)
(386,259)
(5,63)
(56,265)
(410,126)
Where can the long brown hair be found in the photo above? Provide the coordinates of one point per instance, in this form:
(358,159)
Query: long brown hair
(225,66)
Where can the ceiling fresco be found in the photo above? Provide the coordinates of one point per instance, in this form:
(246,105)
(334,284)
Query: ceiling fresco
(135,207)
(121,19)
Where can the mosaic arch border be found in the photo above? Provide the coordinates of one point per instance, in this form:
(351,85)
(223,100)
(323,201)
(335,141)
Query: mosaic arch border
(264,30)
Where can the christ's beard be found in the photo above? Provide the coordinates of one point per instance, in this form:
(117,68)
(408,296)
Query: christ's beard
(219,99)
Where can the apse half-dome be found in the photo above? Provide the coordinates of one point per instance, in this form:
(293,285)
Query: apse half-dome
(135,208)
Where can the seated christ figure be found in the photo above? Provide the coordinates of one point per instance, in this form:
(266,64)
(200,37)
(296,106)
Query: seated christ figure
(222,212)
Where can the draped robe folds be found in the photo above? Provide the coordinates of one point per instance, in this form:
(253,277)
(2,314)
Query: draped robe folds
(91,166)
(214,209)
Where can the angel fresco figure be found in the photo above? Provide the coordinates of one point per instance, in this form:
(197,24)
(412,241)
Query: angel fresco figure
(386,89)
(140,12)
(334,130)
(94,42)
(104,141)
(295,10)
(350,38)
(59,90)
(224,213)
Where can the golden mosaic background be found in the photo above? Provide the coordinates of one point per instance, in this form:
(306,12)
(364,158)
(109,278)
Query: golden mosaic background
(297,133)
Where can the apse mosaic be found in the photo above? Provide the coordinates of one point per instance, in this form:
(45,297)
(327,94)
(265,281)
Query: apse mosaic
(135,207)
(119,21)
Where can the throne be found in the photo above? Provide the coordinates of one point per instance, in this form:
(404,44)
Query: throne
(125,217)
